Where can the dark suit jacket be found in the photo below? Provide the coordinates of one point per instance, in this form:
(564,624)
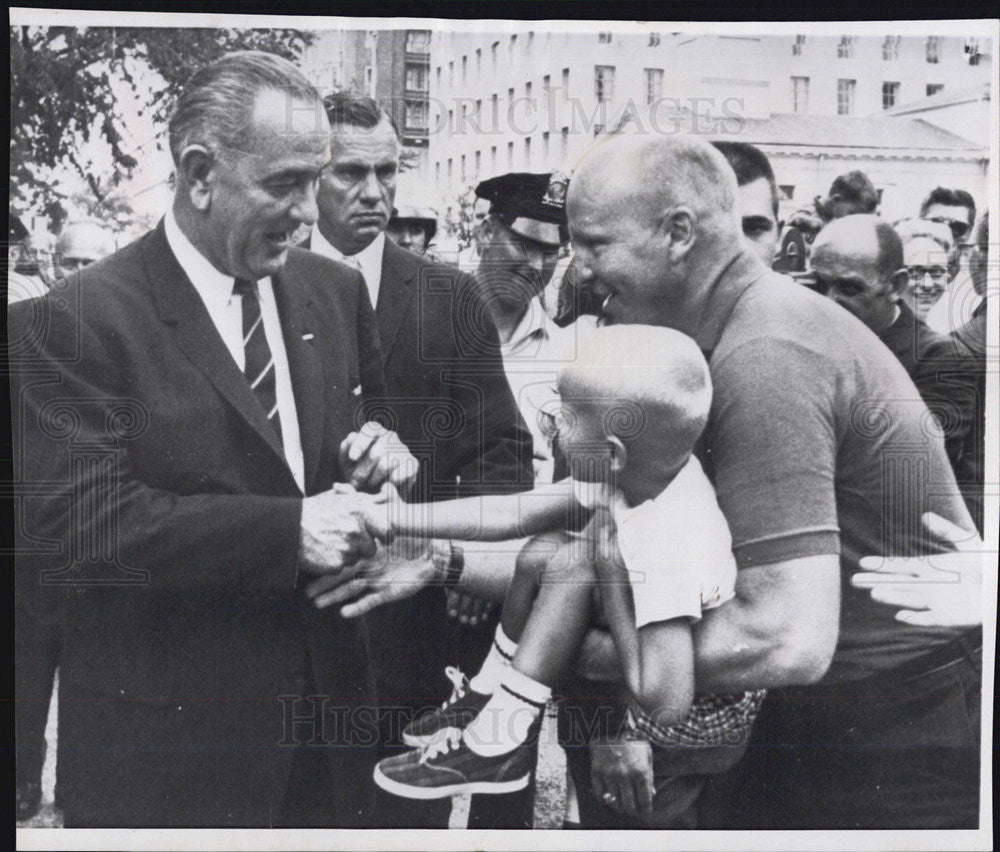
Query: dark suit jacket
(942,374)
(161,522)
(452,406)
(969,344)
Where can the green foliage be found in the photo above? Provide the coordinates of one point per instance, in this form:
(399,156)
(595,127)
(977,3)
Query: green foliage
(63,83)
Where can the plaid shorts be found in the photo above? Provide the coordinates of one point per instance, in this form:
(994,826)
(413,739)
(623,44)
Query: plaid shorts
(713,720)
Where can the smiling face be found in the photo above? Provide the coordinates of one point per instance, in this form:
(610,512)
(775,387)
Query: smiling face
(927,264)
(358,188)
(512,268)
(257,198)
(619,254)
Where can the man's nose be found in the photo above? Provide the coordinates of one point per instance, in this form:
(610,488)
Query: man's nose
(304,209)
(371,189)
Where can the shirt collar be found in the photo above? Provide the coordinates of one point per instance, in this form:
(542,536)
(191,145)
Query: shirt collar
(214,287)
(369,258)
(535,322)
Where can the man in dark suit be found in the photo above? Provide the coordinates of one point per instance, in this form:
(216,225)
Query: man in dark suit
(858,262)
(448,399)
(185,407)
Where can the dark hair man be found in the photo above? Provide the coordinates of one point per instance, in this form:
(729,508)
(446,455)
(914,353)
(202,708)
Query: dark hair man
(758,196)
(449,400)
(209,369)
(952,207)
(852,192)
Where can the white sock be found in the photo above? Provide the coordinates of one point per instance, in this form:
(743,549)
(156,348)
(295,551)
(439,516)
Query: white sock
(503,724)
(496,663)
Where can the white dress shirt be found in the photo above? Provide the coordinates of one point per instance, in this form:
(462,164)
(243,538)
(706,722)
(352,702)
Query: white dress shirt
(368,261)
(226,311)
(532,359)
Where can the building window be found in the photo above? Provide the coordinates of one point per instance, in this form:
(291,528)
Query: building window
(934,88)
(416,116)
(451,121)
(654,85)
(451,73)
(465,69)
(439,78)
(510,156)
(463,168)
(418,41)
(493,53)
(604,82)
(437,173)
(800,94)
(494,112)
(798,44)
(545,148)
(845,96)
(546,85)
(449,170)
(416,78)
(890,48)
(604,38)
(563,144)
(527,91)
(890,94)
(510,47)
(845,47)
(565,81)
(479,60)
(493,159)
(530,42)
(527,152)
(478,162)
(654,39)
(934,49)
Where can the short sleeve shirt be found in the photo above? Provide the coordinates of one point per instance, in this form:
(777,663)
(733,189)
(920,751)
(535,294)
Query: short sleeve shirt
(677,550)
(818,442)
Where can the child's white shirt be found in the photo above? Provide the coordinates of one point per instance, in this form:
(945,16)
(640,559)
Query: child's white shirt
(677,549)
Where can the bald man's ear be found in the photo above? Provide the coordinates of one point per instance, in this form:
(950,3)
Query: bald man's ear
(617,454)
(898,281)
(679,230)
(197,172)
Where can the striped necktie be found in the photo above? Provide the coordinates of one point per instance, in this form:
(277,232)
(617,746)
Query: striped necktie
(259,363)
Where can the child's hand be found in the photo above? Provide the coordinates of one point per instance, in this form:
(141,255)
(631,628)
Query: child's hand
(375,511)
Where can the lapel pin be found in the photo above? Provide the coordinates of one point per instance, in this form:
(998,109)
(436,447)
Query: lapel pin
(356,391)
(308,336)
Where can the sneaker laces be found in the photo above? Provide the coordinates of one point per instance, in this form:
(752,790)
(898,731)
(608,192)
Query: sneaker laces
(457,677)
(452,738)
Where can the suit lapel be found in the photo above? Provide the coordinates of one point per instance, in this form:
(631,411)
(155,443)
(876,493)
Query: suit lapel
(298,324)
(395,292)
(179,304)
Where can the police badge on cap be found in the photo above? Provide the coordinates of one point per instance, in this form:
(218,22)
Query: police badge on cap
(531,205)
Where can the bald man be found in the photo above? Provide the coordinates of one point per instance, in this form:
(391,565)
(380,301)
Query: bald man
(811,438)
(81,244)
(858,262)
(819,452)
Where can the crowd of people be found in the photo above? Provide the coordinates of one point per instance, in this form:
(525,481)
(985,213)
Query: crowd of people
(314,531)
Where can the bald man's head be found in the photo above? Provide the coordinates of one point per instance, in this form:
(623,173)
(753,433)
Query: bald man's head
(858,261)
(651,219)
(81,244)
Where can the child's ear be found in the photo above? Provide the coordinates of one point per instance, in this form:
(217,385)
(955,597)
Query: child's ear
(617,454)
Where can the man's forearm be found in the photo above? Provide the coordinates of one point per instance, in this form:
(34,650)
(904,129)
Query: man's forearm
(780,629)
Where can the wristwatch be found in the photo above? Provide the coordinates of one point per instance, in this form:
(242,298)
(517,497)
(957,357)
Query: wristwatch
(449,560)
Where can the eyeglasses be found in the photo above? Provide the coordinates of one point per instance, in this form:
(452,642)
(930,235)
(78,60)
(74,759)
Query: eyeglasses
(938,276)
(958,228)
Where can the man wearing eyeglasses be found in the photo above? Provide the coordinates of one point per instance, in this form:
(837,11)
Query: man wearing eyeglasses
(857,261)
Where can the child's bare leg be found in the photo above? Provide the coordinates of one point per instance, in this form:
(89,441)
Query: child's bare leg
(559,618)
(531,564)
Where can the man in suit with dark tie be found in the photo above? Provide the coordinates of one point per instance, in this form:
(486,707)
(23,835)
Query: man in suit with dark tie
(184,408)
(448,398)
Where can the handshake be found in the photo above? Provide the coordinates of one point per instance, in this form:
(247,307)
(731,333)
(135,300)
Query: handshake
(346,540)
